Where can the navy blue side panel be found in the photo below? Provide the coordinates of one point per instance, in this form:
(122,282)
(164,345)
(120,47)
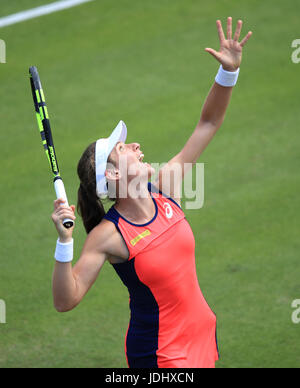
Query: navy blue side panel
(142,336)
(217,344)
(113,216)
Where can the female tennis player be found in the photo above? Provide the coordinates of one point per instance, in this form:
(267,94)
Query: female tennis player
(146,237)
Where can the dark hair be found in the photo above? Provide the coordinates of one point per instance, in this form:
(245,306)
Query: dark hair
(89,206)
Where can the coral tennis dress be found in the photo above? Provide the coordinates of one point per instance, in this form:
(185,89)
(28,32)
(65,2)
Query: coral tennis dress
(171,324)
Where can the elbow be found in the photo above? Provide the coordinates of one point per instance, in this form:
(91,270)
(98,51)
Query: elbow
(213,118)
(210,124)
(63,308)
(60,309)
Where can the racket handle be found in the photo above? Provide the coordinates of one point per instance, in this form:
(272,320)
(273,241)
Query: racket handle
(61,193)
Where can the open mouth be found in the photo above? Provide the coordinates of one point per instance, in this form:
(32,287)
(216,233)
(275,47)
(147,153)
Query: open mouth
(140,159)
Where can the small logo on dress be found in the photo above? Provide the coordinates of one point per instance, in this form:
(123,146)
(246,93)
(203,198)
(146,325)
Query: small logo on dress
(168,209)
(139,237)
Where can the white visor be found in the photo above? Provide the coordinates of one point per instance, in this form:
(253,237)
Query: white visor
(103,149)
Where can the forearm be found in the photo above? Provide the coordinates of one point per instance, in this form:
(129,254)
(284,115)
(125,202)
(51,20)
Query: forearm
(64,282)
(215,105)
(64,287)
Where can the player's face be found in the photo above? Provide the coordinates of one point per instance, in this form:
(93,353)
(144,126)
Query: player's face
(128,158)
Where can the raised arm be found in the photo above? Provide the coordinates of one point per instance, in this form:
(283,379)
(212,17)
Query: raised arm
(212,115)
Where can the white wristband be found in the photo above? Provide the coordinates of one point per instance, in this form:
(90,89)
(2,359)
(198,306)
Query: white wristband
(227,78)
(64,251)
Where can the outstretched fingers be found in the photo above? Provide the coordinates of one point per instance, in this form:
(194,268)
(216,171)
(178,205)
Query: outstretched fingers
(220,31)
(229,32)
(214,53)
(230,49)
(245,40)
(229,28)
(238,30)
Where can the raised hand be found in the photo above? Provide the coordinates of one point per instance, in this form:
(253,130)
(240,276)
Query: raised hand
(59,214)
(230,53)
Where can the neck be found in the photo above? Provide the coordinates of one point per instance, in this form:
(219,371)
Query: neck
(138,208)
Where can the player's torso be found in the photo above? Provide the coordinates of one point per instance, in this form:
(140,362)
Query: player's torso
(163,250)
(170,319)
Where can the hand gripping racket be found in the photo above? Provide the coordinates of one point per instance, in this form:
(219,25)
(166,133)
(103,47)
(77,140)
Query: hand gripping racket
(46,134)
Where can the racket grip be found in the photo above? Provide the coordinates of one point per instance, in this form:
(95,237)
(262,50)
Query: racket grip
(61,193)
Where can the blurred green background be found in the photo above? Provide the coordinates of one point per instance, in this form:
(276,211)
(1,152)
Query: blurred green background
(144,62)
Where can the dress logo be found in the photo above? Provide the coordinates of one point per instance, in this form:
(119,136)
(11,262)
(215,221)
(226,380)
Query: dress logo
(134,241)
(168,210)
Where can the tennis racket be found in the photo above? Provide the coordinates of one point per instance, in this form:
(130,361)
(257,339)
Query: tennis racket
(47,139)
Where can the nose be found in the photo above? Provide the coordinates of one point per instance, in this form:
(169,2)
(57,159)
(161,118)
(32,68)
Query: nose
(136,146)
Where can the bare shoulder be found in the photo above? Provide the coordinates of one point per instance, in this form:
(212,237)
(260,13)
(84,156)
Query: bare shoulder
(103,230)
(106,239)
(102,234)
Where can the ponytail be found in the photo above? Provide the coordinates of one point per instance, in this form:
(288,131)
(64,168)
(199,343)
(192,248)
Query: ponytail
(90,209)
(89,206)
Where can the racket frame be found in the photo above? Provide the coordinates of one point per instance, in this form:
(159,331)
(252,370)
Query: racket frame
(43,121)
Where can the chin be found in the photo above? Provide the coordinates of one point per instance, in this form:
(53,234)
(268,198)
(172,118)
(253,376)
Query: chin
(143,172)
